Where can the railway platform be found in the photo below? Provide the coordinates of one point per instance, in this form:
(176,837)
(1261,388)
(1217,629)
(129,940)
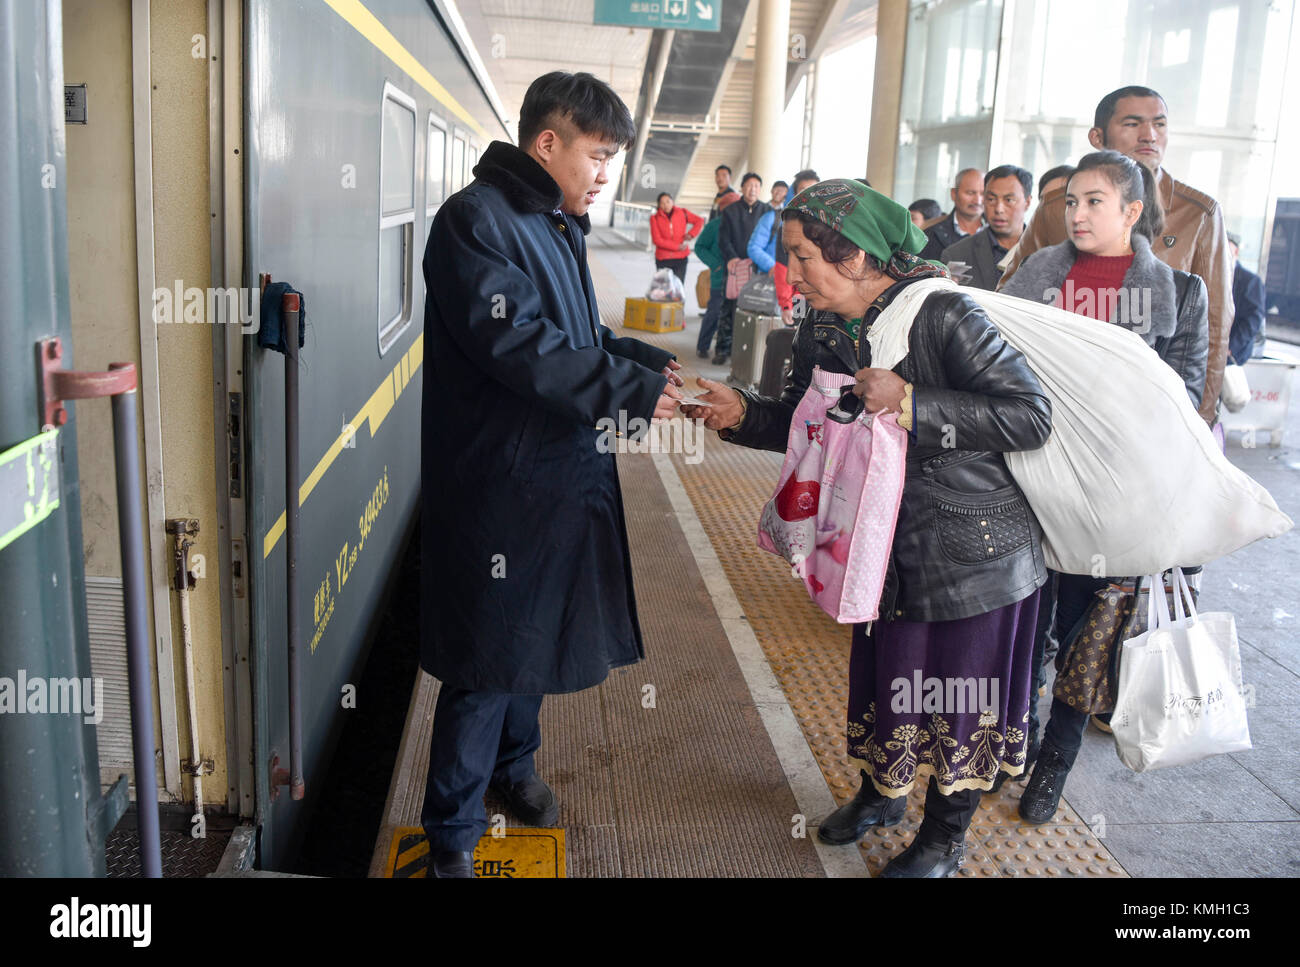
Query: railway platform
(719,754)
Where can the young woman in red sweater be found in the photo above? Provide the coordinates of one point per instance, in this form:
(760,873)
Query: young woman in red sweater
(1106,270)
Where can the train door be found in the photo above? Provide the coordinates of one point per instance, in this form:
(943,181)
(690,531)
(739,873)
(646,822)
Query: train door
(48,748)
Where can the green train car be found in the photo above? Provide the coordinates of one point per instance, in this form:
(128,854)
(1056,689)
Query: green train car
(173,158)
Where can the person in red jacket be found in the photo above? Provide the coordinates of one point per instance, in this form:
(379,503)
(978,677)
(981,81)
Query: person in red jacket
(670,233)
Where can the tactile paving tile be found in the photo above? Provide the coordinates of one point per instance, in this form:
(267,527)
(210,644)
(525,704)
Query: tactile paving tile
(809,652)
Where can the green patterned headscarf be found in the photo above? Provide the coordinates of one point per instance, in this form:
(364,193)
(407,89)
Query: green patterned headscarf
(873,222)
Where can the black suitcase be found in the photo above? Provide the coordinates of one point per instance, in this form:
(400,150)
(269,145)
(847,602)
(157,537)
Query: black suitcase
(777,359)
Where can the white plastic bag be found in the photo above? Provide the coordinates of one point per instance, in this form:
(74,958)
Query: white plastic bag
(1236,391)
(665,287)
(1179,698)
(1131,481)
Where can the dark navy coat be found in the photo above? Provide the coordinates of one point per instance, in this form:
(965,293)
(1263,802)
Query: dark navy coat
(527,582)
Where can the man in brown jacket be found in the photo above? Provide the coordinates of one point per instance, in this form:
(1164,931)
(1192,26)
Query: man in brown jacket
(1132,120)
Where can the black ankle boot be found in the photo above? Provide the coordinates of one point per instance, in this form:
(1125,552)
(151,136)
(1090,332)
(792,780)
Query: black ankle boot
(867,809)
(1043,794)
(927,858)
(1031,756)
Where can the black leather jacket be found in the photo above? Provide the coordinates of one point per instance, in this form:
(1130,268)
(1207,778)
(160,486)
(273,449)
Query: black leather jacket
(967,541)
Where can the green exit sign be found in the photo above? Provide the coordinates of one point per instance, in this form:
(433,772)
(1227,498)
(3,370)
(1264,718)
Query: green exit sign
(664,14)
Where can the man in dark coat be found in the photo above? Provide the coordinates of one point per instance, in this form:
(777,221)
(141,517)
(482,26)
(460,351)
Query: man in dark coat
(738,221)
(1006,200)
(527,581)
(1246,338)
(966,217)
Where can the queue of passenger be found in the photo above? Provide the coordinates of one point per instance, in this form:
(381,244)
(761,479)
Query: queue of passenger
(966,594)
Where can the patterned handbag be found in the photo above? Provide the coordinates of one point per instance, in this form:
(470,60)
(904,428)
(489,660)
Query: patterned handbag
(1087,668)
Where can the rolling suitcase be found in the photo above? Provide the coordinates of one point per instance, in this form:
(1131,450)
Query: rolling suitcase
(778,356)
(748,346)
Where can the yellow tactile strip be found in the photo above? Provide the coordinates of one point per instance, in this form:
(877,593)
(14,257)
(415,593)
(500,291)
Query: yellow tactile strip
(809,653)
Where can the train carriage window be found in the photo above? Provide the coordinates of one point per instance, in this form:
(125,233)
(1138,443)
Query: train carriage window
(435,167)
(458,163)
(396,214)
(473,160)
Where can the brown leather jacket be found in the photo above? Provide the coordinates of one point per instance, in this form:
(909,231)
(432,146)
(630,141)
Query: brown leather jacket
(1194,240)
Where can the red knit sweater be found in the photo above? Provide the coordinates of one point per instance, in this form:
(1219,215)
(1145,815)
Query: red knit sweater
(1089,274)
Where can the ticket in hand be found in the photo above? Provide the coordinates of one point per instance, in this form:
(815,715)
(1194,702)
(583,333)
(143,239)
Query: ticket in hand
(694,402)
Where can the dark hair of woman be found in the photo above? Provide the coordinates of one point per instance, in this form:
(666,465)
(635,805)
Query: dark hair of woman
(662,196)
(835,248)
(1134,182)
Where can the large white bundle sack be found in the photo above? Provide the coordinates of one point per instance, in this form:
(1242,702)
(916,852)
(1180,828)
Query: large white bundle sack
(1131,480)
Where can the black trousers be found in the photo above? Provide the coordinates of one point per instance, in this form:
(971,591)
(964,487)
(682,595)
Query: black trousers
(946,817)
(677,265)
(477,737)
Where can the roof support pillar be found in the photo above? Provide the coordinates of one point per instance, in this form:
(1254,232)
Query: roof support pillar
(770,59)
(887,94)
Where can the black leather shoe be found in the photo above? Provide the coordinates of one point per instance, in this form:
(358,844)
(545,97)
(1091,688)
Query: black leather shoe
(452,865)
(1043,794)
(1031,756)
(868,808)
(927,859)
(720,359)
(531,800)
(702,353)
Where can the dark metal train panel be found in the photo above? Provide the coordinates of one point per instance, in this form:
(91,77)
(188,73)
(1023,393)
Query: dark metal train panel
(340,99)
(52,818)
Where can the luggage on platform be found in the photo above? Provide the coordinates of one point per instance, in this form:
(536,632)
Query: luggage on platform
(778,355)
(749,345)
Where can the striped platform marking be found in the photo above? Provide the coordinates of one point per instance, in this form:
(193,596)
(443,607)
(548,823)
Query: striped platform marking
(536,854)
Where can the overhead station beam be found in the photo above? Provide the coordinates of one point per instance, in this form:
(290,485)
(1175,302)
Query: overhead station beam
(649,98)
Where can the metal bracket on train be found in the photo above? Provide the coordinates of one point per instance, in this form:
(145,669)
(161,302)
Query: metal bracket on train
(183,577)
(279,777)
(57,384)
(205,767)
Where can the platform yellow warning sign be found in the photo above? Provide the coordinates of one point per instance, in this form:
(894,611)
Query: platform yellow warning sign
(519,854)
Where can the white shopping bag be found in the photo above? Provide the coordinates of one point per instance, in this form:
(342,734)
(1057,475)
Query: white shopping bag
(1179,697)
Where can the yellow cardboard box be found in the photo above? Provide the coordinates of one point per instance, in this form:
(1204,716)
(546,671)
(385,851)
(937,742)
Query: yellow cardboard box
(653,316)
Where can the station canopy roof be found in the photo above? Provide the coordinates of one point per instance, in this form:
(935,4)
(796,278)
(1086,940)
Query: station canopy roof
(701,117)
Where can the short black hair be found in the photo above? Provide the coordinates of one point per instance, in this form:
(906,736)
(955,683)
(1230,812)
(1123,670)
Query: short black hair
(1060,171)
(1106,106)
(927,208)
(726,168)
(863,181)
(583,100)
(806,175)
(1006,171)
(662,196)
(780,184)
(748,175)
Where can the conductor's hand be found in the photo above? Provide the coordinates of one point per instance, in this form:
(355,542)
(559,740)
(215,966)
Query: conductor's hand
(669,398)
(880,389)
(726,410)
(671,372)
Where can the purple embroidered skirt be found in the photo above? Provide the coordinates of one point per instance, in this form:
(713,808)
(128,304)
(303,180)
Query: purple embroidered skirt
(949,698)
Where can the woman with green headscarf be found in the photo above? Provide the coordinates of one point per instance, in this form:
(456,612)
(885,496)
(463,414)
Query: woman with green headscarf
(941,684)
